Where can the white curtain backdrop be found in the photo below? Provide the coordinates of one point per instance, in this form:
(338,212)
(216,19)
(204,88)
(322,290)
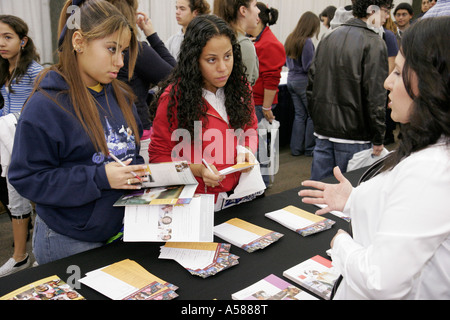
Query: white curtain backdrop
(162,12)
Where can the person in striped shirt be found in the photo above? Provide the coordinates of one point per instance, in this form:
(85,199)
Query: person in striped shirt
(19,68)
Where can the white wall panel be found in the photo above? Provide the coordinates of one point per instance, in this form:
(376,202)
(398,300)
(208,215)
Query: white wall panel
(37,16)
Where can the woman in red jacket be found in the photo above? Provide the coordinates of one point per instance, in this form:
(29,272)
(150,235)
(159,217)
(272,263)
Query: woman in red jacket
(205,109)
(272,57)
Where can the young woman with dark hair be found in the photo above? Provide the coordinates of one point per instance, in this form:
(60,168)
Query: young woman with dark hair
(19,68)
(299,56)
(242,15)
(77,116)
(205,99)
(400,247)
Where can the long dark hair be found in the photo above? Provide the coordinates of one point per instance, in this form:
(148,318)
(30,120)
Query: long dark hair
(27,54)
(268,16)
(308,26)
(187,81)
(427,55)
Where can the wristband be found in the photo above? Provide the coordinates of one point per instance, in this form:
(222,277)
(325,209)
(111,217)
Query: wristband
(267,109)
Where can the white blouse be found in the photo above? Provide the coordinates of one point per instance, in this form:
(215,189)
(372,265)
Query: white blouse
(401,232)
(217,101)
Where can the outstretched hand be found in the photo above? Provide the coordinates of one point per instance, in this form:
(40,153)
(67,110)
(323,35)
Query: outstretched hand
(334,196)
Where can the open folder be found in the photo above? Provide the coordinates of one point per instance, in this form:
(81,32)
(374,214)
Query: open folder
(193,222)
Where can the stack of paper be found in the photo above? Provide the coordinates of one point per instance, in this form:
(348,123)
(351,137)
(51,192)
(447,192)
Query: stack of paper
(192,222)
(315,274)
(246,235)
(300,221)
(272,288)
(127,280)
(200,259)
(338,214)
(51,288)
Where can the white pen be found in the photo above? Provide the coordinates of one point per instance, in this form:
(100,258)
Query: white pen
(123,165)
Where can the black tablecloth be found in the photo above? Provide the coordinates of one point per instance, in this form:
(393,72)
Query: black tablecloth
(290,250)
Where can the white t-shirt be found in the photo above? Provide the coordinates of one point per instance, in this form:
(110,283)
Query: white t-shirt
(174,44)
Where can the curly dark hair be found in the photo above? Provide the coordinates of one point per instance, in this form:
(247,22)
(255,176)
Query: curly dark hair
(427,55)
(360,6)
(187,81)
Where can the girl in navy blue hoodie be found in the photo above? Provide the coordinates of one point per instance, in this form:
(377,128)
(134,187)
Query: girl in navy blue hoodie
(78,114)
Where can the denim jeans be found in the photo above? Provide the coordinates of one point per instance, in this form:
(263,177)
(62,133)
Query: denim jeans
(302,136)
(327,155)
(49,246)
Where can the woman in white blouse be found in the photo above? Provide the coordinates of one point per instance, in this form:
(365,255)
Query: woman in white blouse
(400,247)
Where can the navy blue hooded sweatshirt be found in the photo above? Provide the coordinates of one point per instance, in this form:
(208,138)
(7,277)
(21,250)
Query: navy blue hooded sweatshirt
(55,164)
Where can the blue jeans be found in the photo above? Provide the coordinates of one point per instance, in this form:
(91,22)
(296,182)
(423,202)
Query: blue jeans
(302,136)
(49,246)
(328,155)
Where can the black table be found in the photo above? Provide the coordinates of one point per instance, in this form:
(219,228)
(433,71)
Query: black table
(283,254)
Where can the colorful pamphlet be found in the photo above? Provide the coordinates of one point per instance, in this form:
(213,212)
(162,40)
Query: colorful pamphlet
(300,221)
(237,167)
(165,183)
(246,235)
(51,288)
(272,288)
(127,280)
(200,259)
(315,274)
(193,222)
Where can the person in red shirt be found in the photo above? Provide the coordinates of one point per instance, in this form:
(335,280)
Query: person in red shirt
(205,109)
(272,58)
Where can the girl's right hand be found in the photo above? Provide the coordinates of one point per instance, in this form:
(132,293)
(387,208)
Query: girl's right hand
(209,179)
(121,177)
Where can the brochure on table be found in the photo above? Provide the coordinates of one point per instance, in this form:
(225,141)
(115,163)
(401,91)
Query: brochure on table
(200,259)
(192,222)
(315,274)
(127,280)
(338,214)
(246,235)
(50,288)
(300,221)
(167,183)
(272,288)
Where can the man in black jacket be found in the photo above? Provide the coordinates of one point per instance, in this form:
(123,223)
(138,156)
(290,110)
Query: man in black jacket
(346,90)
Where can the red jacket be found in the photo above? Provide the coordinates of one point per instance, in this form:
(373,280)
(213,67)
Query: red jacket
(272,57)
(220,150)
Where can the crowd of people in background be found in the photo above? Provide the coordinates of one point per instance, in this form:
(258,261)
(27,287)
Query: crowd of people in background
(377,68)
